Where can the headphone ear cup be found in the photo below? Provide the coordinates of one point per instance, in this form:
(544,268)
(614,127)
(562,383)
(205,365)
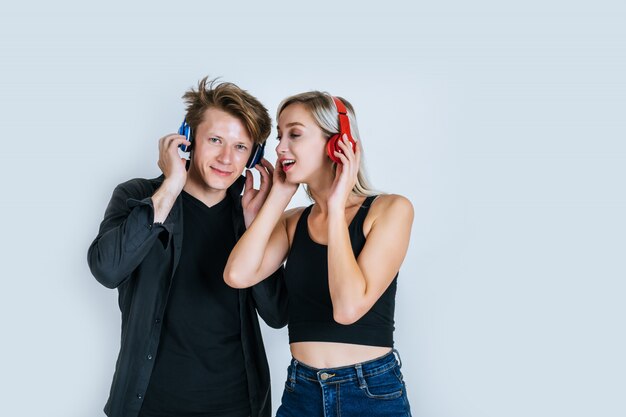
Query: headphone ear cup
(331,147)
(257,154)
(185,130)
(251,161)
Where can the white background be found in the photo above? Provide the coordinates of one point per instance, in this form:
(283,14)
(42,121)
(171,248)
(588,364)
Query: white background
(503,122)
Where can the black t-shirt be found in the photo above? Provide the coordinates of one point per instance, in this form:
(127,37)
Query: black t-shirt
(199,368)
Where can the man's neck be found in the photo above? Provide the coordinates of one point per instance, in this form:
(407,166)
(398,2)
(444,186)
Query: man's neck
(209,196)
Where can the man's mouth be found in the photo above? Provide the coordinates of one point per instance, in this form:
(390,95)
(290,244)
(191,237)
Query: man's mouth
(220,172)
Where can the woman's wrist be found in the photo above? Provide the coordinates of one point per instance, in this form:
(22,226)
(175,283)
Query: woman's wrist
(279,198)
(338,207)
(336,219)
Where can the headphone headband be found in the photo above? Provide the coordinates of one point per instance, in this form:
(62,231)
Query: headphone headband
(344,120)
(341,108)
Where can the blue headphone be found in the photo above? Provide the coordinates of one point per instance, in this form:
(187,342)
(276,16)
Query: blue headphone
(255,157)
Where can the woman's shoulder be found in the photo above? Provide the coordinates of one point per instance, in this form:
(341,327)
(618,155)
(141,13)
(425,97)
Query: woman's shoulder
(389,208)
(290,220)
(290,217)
(292,213)
(383,203)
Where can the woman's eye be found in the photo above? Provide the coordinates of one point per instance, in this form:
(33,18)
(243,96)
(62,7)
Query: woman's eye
(242,147)
(215,140)
(291,136)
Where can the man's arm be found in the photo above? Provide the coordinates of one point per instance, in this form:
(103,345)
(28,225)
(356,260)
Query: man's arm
(135,218)
(270,298)
(126,235)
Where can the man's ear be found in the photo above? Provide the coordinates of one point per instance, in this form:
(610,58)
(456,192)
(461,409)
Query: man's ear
(188,163)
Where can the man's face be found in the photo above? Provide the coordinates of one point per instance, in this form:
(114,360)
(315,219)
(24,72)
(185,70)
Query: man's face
(221,148)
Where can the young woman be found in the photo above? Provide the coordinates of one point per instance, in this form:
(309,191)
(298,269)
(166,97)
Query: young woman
(343,254)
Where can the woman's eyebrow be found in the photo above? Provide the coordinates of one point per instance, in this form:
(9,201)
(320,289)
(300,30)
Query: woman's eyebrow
(292,124)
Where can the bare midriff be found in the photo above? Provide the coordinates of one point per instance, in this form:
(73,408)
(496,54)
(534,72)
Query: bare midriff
(323,355)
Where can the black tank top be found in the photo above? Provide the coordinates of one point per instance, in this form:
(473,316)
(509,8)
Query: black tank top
(310,306)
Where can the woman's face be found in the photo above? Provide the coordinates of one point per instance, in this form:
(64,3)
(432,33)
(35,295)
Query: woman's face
(301,148)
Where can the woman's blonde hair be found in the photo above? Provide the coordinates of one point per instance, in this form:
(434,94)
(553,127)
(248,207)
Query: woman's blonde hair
(324,112)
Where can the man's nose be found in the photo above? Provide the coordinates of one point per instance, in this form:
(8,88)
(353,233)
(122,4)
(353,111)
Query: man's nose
(225,154)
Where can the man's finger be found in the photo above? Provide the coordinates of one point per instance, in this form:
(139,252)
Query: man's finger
(177,140)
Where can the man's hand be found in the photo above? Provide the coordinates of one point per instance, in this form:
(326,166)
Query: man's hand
(170,162)
(173,167)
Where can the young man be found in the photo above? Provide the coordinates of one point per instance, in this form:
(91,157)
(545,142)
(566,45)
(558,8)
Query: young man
(191,345)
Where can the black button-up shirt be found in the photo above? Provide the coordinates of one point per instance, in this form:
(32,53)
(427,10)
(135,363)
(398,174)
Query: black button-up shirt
(139,258)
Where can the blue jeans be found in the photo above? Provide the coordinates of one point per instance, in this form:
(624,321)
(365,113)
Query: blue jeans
(372,388)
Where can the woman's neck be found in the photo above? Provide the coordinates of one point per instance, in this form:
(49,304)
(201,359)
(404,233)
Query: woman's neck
(320,198)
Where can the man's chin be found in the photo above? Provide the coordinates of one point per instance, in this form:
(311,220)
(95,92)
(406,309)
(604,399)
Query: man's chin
(211,180)
(220,183)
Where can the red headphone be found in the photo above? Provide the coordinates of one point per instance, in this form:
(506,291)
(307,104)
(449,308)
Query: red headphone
(344,128)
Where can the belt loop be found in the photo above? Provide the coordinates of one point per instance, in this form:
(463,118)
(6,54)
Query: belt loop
(359,374)
(294,365)
(395,351)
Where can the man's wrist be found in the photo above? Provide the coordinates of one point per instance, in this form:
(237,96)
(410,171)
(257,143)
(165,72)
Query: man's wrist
(171,187)
(163,200)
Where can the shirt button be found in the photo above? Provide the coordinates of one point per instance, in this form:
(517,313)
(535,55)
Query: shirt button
(139,396)
(149,356)
(157,321)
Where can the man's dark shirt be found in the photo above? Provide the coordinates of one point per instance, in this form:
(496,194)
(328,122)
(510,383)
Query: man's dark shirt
(140,259)
(199,368)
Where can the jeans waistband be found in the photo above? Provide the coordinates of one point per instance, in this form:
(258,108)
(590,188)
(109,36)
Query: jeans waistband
(345,373)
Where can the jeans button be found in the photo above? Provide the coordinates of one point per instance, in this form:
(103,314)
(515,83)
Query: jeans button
(324,376)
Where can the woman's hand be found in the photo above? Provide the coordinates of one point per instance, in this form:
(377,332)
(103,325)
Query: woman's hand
(281,186)
(253,199)
(346,174)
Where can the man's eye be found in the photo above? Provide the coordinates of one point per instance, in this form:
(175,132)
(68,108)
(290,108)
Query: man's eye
(215,140)
(242,147)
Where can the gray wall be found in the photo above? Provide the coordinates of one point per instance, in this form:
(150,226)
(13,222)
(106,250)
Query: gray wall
(504,125)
